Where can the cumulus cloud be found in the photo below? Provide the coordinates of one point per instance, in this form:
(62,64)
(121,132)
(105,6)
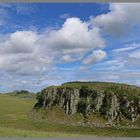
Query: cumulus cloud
(76,36)
(95,57)
(23,51)
(19,53)
(19,42)
(121,18)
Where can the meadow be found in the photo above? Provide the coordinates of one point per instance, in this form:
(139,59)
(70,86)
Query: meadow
(15,121)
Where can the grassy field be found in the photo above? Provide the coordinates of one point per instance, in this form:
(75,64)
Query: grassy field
(15,122)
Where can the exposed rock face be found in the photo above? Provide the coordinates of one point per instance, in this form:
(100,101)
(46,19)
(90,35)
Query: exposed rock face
(99,101)
(66,98)
(114,109)
(86,101)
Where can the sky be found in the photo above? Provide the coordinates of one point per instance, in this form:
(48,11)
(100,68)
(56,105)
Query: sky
(43,44)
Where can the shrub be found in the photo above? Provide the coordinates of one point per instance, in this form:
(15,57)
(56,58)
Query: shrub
(106,104)
(82,105)
(84,91)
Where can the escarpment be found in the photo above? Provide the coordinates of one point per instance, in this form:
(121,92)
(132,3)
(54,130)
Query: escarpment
(113,102)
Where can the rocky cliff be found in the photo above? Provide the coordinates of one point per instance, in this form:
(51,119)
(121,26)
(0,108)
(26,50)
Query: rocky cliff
(113,102)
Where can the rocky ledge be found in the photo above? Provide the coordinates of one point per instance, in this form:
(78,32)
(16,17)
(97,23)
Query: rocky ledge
(113,104)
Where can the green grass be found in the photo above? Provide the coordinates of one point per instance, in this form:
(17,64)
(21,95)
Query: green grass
(15,121)
(10,132)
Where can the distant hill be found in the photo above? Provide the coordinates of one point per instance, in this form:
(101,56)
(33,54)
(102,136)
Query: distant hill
(22,94)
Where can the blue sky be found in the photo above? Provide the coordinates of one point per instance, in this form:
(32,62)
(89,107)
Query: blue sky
(44,44)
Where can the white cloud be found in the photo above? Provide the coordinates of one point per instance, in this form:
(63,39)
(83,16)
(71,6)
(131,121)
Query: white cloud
(19,42)
(68,58)
(74,40)
(135,54)
(121,18)
(19,53)
(76,35)
(29,52)
(129,47)
(128,55)
(95,57)
(125,58)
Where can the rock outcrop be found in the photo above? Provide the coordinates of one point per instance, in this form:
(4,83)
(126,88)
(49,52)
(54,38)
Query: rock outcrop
(110,105)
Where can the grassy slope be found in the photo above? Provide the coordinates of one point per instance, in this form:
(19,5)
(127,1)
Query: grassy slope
(130,90)
(15,122)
